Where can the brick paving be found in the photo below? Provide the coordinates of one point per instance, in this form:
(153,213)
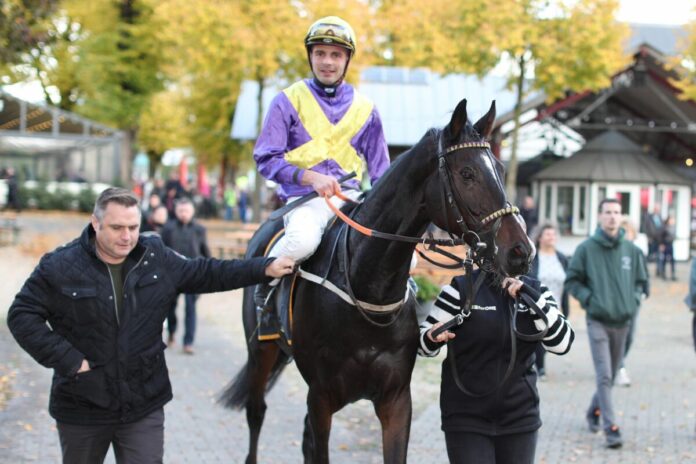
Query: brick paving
(657,413)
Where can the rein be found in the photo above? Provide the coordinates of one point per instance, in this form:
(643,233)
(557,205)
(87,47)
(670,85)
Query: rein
(513,308)
(448,199)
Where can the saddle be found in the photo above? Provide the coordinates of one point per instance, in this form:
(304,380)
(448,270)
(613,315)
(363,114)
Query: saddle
(277,325)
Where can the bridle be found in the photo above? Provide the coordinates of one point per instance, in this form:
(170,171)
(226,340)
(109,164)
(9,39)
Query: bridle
(450,203)
(450,206)
(490,224)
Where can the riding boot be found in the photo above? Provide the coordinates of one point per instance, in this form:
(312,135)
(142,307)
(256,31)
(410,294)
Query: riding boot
(268,323)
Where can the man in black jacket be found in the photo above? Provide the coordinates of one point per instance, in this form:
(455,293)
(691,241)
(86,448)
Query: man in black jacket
(105,296)
(187,237)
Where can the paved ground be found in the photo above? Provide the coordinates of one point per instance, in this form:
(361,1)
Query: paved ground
(658,412)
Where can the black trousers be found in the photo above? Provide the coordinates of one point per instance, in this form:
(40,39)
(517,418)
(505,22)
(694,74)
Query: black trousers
(140,442)
(475,448)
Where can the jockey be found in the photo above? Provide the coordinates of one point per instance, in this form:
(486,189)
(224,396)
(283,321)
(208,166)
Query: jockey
(316,131)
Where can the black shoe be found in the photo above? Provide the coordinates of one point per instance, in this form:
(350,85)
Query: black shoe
(614,437)
(593,419)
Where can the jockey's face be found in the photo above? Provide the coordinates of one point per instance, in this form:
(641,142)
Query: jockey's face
(328,63)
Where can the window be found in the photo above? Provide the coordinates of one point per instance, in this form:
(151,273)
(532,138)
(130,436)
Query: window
(564,209)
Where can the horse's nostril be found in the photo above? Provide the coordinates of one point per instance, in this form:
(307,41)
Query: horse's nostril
(519,251)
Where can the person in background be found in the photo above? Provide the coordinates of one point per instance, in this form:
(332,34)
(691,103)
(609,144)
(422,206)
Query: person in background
(153,202)
(666,249)
(230,199)
(92,310)
(529,212)
(243,204)
(691,298)
(187,237)
(156,220)
(653,229)
(488,419)
(549,267)
(623,379)
(12,190)
(607,276)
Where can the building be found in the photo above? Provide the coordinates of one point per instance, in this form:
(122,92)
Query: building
(612,166)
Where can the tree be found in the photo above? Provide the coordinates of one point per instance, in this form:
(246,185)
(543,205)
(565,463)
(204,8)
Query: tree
(448,36)
(686,62)
(23,25)
(162,126)
(119,64)
(565,48)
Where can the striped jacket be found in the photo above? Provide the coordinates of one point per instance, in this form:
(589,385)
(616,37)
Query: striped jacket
(482,349)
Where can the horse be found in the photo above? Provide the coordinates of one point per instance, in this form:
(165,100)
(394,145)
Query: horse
(366,349)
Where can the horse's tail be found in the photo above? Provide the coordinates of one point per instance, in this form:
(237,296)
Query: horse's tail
(257,370)
(236,393)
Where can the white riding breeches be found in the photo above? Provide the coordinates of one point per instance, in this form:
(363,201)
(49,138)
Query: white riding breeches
(305,225)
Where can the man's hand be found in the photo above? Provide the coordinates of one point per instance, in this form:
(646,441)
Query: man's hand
(280,266)
(444,337)
(325,186)
(84,367)
(512,286)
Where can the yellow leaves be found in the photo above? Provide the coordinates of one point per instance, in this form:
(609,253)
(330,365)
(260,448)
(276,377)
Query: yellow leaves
(686,63)
(163,123)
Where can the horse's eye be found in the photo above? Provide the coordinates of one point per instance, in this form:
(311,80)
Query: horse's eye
(468,174)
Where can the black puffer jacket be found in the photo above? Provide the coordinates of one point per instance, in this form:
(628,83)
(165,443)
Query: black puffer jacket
(71,290)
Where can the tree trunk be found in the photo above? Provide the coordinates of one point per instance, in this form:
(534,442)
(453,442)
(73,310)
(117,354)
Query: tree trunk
(511,183)
(260,181)
(126,161)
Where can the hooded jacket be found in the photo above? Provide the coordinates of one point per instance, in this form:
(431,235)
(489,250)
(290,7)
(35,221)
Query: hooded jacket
(72,291)
(607,275)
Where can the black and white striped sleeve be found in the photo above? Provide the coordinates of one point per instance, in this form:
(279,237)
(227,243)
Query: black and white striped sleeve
(445,308)
(560,335)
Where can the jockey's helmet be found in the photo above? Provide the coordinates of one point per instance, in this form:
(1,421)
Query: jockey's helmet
(331,30)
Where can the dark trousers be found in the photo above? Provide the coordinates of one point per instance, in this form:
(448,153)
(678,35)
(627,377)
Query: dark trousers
(140,442)
(189,318)
(475,448)
(666,256)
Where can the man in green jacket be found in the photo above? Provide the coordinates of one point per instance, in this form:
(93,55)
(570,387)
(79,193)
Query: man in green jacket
(607,276)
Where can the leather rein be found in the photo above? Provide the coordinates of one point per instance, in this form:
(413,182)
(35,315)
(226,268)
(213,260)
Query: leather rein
(450,207)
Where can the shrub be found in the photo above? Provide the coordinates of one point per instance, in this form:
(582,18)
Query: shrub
(427,289)
(86,199)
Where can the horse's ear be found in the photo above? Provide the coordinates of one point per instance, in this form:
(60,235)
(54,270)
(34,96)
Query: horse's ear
(458,122)
(484,126)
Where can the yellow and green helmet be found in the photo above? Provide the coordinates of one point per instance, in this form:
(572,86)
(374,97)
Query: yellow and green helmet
(331,30)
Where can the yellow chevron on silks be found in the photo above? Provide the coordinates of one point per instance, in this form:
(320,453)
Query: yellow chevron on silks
(328,141)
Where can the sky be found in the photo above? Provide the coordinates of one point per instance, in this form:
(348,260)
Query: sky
(656,11)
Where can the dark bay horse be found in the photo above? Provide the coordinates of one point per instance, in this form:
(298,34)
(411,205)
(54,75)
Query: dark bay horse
(347,352)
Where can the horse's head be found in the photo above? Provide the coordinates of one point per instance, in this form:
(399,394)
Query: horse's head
(467,197)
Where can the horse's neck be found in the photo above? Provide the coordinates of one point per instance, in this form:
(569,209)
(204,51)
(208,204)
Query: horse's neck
(379,268)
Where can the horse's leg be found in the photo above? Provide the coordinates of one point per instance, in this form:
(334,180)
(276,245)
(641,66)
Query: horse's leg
(394,414)
(317,427)
(307,440)
(267,355)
